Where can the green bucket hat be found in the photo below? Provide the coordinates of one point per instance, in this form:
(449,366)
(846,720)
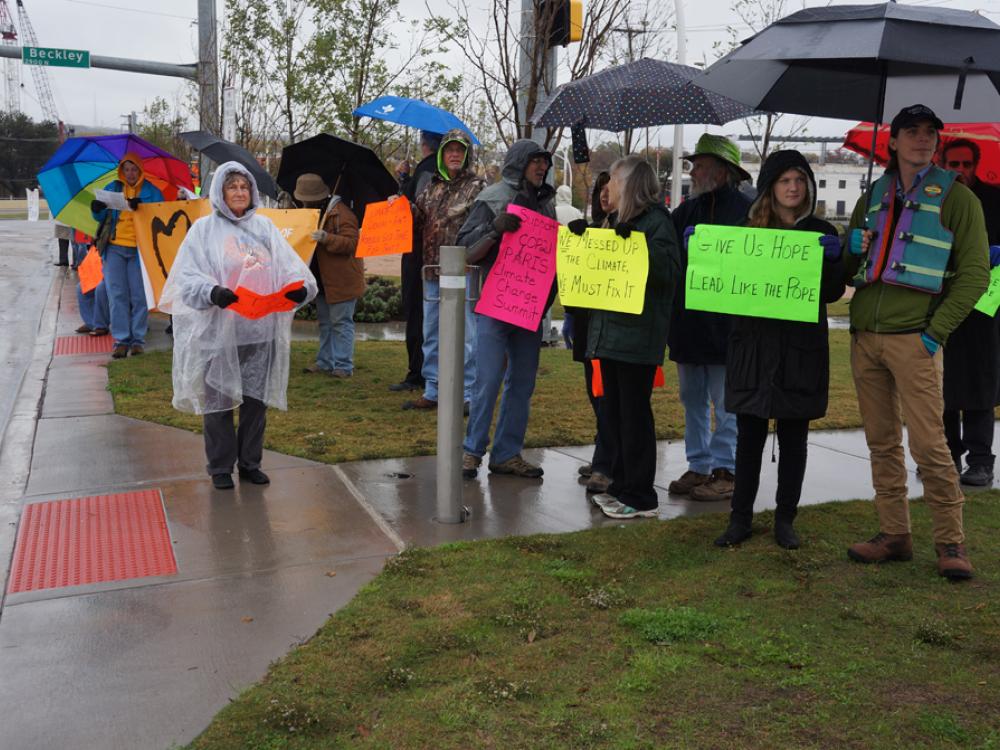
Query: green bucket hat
(722,149)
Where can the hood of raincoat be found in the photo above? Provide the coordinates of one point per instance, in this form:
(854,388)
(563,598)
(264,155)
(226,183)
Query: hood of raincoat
(455,135)
(216,199)
(564,195)
(137,160)
(776,165)
(518,156)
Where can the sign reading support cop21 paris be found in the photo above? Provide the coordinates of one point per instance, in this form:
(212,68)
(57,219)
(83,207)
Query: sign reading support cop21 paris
(764,273)
(602,271)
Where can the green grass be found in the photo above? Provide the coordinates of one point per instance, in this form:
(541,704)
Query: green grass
(644,635)
(345,420)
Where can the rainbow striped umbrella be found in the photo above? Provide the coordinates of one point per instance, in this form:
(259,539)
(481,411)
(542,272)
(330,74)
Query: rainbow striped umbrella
(82,165)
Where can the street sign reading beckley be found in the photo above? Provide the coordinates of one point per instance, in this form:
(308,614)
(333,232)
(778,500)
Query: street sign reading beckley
(65,58)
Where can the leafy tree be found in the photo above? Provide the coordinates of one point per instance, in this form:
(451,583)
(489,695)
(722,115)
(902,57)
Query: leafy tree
(162,127)
(25,146)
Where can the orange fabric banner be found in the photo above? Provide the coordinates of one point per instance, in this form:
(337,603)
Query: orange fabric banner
(387,229)
(161,227)
(90,271)
(252,305)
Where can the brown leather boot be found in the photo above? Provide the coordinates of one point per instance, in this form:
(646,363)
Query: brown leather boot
(882,548)
(953,563)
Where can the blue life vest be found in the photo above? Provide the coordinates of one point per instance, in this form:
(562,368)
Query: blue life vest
(917,254)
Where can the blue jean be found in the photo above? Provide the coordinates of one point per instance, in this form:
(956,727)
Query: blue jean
(432,288)
(336,334)
(509,354)
(94,304)
(127,298)
(702,386)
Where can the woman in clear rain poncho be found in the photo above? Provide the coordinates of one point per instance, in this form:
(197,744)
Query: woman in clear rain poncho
(223,359)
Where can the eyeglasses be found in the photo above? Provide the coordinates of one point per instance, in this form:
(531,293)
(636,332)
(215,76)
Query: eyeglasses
(961,164)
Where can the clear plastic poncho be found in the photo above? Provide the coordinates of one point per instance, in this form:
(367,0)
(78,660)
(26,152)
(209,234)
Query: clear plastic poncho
(220,357)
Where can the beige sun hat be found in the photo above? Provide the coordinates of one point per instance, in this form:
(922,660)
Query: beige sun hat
(309,188)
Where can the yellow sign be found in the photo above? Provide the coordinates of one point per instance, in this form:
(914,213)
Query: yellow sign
(161,227)
(601,271)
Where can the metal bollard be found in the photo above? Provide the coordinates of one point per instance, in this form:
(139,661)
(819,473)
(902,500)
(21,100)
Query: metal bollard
(451,380)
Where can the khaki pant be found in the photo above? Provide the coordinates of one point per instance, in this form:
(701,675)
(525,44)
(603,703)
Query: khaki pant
(896,379)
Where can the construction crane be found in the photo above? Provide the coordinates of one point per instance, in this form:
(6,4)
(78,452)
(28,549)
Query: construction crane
(11,67)
(39,72)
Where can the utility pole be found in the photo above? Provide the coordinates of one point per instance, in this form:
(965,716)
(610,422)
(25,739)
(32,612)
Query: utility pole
(529,42)
(208,75)
(675,173)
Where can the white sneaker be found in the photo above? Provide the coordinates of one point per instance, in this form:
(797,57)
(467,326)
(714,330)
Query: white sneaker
(603,498)
(620,510)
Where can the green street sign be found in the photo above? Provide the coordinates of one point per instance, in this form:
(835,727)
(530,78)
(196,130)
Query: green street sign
(63,58)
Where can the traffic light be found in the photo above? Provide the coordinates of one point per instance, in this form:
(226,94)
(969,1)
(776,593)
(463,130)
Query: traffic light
(567,20)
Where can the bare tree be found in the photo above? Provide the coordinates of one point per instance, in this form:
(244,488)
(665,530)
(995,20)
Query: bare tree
(493,54)
(758,14)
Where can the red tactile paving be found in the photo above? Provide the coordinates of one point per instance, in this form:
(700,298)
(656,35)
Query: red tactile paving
(81,344)
(91,540)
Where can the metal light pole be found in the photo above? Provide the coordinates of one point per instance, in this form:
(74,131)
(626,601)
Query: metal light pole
(676,176)
(208,75)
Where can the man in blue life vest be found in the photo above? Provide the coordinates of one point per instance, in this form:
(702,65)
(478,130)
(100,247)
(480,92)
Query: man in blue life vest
(919,257)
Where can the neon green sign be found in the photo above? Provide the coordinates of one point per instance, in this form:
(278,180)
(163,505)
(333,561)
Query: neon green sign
(990,301)
(764,273)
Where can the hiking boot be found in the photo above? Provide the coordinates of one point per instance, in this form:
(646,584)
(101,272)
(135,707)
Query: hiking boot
(342,374)
(518,467)
(423,404)
(100,332)
(785,536)
(586,470)
(953,563)
(119,352)
(882,548)
(736,533)
(598,482)
(222,481)
(315,370)
(719,488)
(618,509)
(404,386)
(977,476)
(84,329)
(470,465)
(254,476)
(137,349)
(687,482)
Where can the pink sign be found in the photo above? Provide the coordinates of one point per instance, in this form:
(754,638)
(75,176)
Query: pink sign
(518,285)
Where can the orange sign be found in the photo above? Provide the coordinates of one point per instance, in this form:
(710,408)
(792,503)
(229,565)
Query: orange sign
(90,271)
(161,227)
(252,305)
(387,229)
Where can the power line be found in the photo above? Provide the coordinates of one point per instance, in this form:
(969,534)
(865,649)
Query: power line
(132,10)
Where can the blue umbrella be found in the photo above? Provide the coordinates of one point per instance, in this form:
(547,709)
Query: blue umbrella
(413,113)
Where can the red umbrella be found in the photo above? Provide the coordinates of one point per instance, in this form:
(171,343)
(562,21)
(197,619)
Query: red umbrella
(986,135)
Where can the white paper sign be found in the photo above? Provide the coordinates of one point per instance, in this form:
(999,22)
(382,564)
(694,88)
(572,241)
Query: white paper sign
(113,200)
(32,196)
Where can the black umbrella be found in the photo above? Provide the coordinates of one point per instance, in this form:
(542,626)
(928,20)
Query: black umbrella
(351,170)
(220,151)
(866,62)
(645,93)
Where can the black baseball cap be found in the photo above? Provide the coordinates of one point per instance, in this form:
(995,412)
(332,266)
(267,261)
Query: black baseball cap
(911,116)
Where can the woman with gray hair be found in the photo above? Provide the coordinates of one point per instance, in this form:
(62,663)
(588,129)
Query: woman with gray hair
(630,347)
(226,359)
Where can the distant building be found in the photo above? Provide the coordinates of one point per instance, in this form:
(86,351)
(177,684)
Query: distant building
(838,187)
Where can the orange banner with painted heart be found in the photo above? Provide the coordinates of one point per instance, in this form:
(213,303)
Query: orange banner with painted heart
(161,227)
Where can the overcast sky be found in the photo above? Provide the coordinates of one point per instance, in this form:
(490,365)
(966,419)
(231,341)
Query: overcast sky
(166,32)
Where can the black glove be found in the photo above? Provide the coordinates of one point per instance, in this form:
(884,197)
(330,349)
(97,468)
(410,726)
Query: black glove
(624,228)
(297,295)
(506,222)
(98,206)
(222,297)
(578,226)
(133,203)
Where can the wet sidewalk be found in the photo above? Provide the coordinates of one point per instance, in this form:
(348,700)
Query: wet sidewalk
(146,661)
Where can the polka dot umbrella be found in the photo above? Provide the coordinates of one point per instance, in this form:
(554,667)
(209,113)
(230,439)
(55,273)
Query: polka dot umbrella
(645,93)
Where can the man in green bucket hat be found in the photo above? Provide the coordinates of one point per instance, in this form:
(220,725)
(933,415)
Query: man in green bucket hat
(698,339)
